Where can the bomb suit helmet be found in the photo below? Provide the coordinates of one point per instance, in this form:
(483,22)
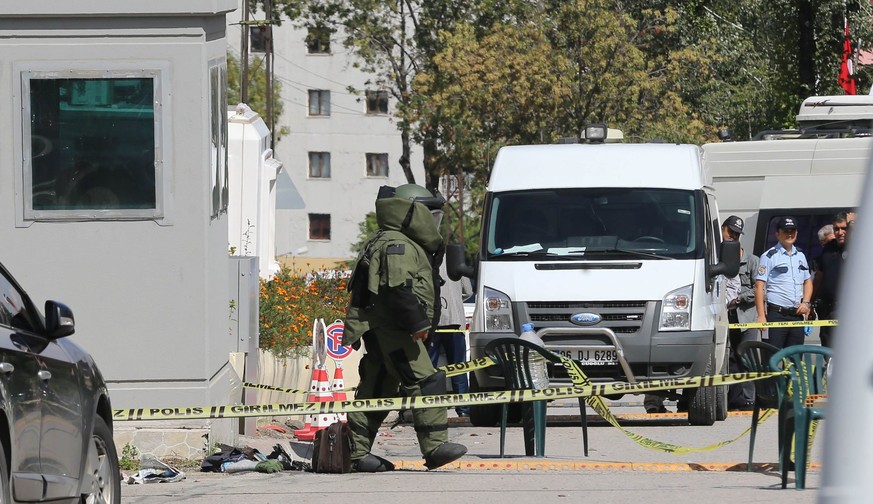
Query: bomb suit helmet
(421,195)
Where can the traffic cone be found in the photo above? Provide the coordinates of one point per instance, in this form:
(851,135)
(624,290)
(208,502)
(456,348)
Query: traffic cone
(338,386)
(322,394)
(313,390)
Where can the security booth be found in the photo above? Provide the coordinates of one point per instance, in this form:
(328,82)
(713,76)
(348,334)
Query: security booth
(114,186)
(253,174)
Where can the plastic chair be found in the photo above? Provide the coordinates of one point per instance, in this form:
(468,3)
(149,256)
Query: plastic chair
(512,355)
(755,358)
(806,365)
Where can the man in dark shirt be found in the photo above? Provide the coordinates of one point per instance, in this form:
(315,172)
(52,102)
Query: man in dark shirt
(827,278)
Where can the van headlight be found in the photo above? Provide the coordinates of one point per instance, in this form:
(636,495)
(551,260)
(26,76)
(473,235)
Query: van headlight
(498,311)
(676,310)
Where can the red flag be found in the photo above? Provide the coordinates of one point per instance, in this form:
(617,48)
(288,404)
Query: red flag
(847,80)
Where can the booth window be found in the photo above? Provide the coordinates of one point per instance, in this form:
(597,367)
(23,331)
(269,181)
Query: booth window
(319,226)
(94,146)
(219,171)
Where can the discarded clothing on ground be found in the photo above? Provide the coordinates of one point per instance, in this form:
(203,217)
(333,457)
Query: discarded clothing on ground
(153,470)
(288,462)
(235,460)
(269,466)
(219,461)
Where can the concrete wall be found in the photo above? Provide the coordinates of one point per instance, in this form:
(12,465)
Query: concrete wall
(150,295)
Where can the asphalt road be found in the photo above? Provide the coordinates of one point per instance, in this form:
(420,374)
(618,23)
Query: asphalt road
(617,469)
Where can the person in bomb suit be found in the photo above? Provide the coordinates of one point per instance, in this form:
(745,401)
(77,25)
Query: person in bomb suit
(394,307)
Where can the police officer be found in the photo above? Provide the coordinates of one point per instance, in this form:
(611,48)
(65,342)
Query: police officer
(741,308)
(783,286)
(393,308)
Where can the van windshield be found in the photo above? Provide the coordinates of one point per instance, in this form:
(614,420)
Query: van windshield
(594,223)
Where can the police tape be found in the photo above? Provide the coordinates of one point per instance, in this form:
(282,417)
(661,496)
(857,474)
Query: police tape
(797,323)
(450,370)
(595,401)
(465,367)
(261,386)
(430,401)
(578,377)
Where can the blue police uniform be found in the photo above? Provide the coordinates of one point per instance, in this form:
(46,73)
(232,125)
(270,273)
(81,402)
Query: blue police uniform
(784,274)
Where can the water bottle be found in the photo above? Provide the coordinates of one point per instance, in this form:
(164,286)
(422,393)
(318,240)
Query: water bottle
(538,371)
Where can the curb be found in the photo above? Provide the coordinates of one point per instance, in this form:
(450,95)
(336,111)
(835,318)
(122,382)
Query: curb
(577,466)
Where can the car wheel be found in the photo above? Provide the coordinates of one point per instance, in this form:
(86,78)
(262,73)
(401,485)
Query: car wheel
(102,476)
(5,491)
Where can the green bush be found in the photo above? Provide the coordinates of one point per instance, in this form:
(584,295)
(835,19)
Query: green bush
(290,302)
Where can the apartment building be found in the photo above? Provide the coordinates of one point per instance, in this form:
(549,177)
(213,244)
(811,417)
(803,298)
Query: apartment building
(340,148)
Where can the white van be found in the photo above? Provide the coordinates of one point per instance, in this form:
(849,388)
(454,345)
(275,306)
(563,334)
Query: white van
(612,252)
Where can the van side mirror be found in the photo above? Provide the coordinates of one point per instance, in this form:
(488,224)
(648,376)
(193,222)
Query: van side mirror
(729,260)
(456,262)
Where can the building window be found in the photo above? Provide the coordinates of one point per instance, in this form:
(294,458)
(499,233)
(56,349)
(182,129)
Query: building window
(318,40)
(377,165)
(258,39)
(377,102)
(319,102)
(319,165)
(319,226)
(95,144)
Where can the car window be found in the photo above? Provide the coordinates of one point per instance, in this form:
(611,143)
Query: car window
(13,309)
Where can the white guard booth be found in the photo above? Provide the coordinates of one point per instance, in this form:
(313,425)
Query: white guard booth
(253,171)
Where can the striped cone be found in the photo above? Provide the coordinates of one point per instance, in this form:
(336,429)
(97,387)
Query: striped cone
(313,389)
(337,387)
(322,394)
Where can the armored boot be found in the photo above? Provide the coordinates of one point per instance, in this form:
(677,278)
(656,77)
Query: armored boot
(372,463)
(444,454)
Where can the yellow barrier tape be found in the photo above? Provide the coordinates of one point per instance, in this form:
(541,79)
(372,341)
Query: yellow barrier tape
(464,367)
(450,369)
(583,387)
(798,323)
(578,377)
(423,402)
(261,386)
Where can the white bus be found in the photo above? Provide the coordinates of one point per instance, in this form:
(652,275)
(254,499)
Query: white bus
(810,173)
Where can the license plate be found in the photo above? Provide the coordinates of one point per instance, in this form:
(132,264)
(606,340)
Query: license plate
(589,357)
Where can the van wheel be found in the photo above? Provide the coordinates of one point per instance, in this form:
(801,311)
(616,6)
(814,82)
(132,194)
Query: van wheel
(486,415)
(701,403)
(721,394)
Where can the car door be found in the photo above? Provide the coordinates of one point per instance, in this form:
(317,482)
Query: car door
(62,422)
(21,390)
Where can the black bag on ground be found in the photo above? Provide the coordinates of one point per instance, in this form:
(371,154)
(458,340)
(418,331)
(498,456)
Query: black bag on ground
(333,448)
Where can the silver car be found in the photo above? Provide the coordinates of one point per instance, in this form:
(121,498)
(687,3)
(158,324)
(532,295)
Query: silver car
(55,416)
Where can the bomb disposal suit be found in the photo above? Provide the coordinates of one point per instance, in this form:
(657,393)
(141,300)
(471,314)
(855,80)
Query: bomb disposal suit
(394,289)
